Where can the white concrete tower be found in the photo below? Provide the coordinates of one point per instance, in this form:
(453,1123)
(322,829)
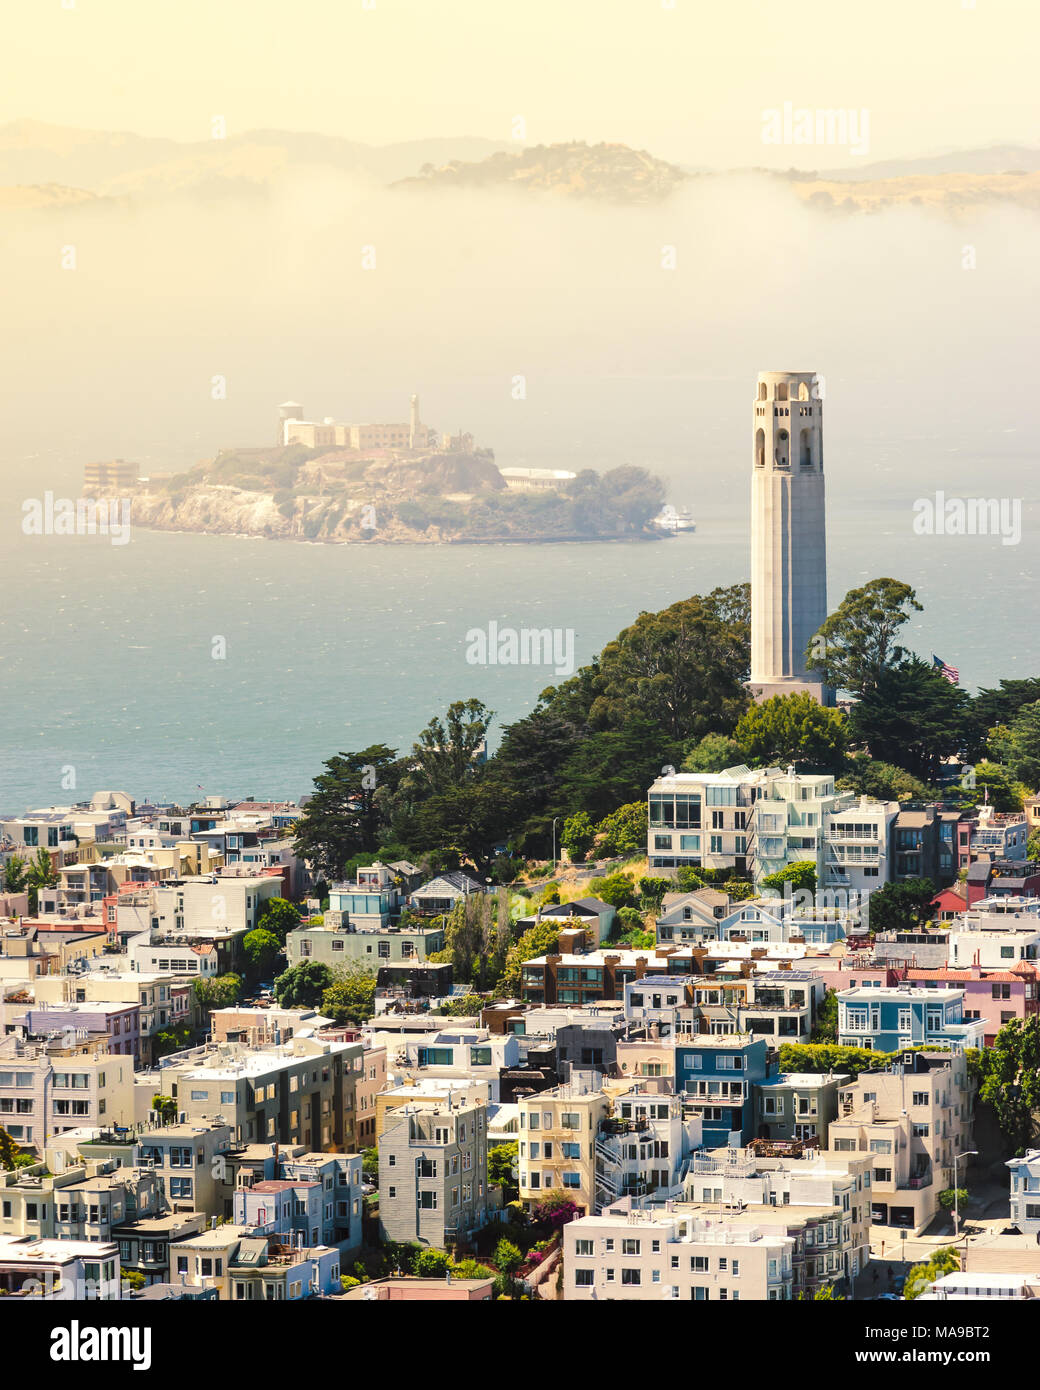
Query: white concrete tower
(788,534)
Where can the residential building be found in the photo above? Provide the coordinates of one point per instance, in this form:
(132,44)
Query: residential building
(338,942)
(433,1173)
(914,1118)
(996,933)
(60,1270)
(994,996)
(243,1267)
(594,916)
(654,1254)
(643,1146)
(458,1054)
(439,895)
(46,1087)
(558,1135)
(829,1194)
(797,1106)
(858,846)
(717,1076)
(370,901)
(1025,1192)
(886,1020)
(293,1093)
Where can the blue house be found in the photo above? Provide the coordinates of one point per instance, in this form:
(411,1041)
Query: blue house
(885,1020)
(717,1074)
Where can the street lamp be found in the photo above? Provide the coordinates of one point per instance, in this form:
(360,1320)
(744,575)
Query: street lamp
(555,819)
(956,1206)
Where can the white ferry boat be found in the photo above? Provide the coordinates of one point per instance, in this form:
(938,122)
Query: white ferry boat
(674,519)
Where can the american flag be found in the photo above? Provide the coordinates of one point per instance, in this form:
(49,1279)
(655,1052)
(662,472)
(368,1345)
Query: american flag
(950,672)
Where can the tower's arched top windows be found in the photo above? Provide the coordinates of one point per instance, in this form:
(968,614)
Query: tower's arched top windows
(803,392)
(761,390)
(781,390)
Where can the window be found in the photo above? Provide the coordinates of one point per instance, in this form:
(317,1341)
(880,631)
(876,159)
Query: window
(631,1276)
(630,1247)
(584,1278)
(583,1247)
(428,1201)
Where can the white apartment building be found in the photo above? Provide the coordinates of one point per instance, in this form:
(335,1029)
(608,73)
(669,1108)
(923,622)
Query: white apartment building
(204,905)
(655,1255)
(749,821)
(1025,1192)
(996,933)
(840,1184)
(46,1089)
(857,846)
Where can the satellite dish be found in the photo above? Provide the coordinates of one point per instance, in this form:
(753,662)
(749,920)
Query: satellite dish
(668,770)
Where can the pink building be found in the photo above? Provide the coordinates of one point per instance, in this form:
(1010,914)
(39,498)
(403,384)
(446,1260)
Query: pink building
(997,996)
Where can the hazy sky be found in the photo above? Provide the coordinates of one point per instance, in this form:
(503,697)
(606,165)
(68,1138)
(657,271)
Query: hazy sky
(688,79)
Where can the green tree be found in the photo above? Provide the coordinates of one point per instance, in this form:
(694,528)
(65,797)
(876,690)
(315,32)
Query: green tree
(624,830)
(901,906)
(501,1161)
(824,1294)
(800,874)
(792,729)
(856,644)
(262,949)
(953,1198)
(370,1165)
(1011,1082)
(463,1006)
(40,874)
(911,717)
(218,992)
(133,1280)
(825,1029)
(578,835)
(536,941)
(431,1264)
(996,785)
(867,776)
(1024,745)
(944,1261)
(9,1152)
(279,917)
(652,891)
(165,1107)
(684,668)
(507,1256)
(503,935)
(351,997)
(303,985)
(174,1039)
(342,817)
(688,879)
(713,753)
(617,888)
(15,873)
(446,753)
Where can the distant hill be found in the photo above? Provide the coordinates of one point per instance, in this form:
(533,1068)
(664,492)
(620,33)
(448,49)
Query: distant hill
(107,162)
(574,169)
(997,159)
(45,167)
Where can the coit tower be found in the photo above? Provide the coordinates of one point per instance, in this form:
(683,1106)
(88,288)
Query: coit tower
(788,534)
